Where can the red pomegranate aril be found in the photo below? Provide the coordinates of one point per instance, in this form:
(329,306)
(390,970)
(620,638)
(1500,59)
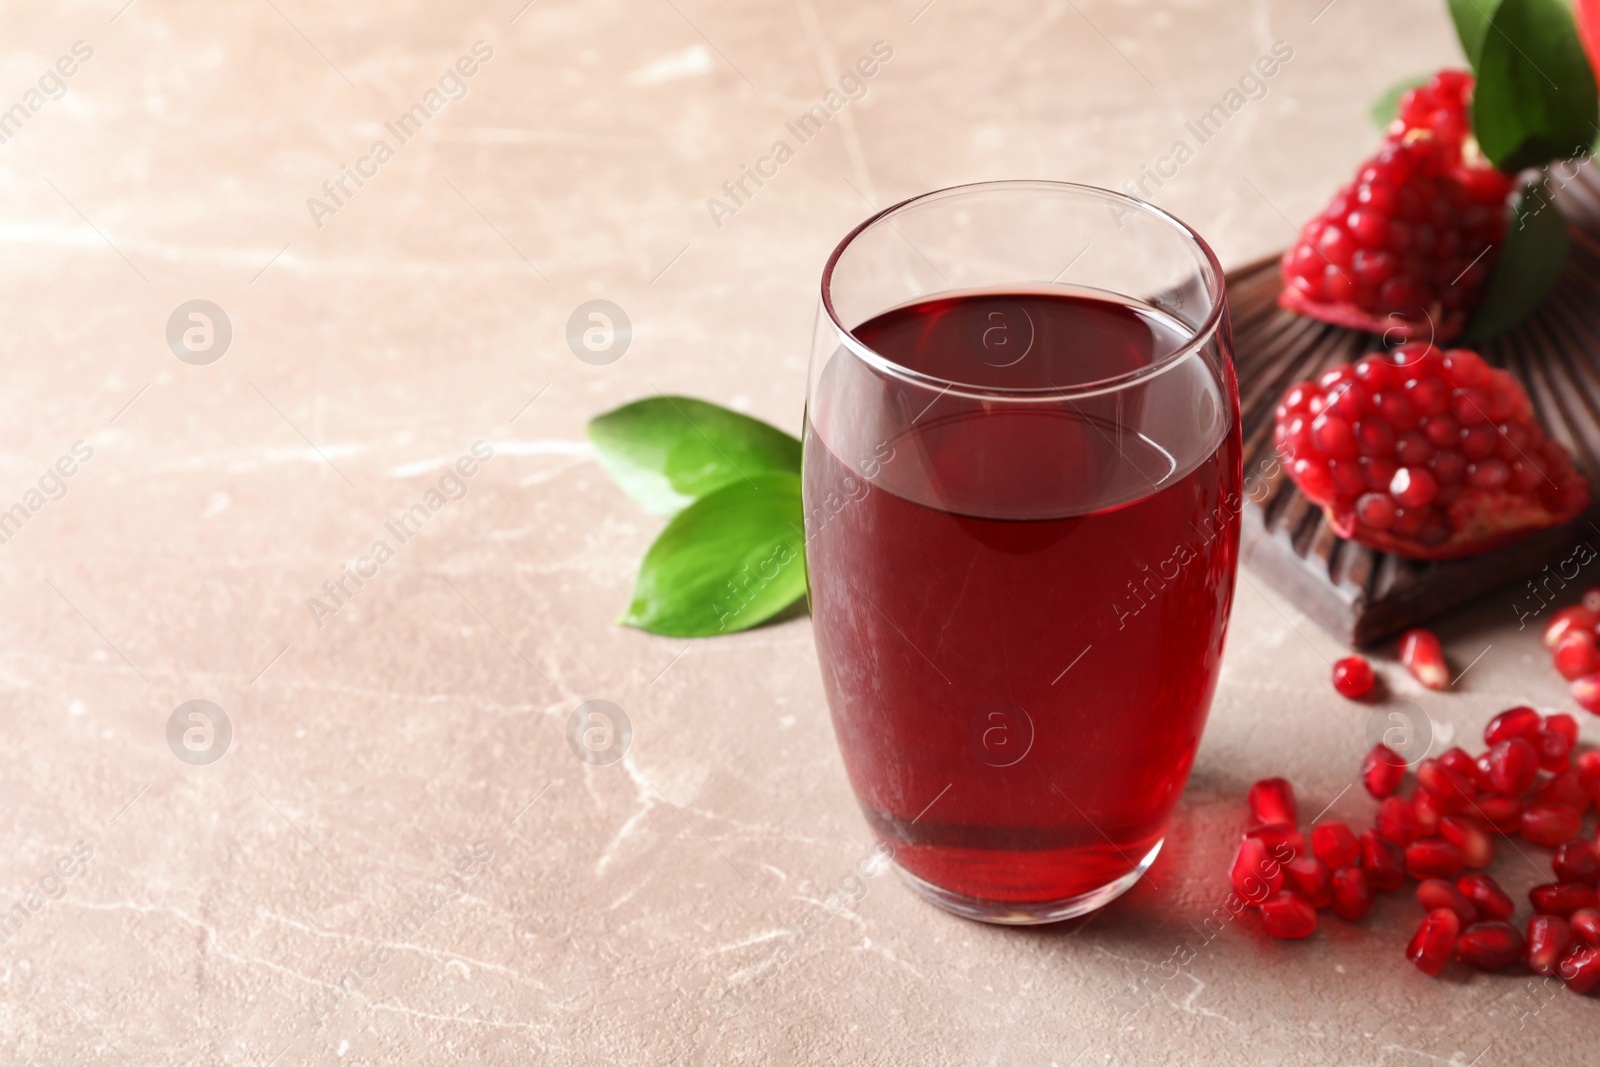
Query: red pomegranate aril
(1503,814)
(1384,862)
(1554,749)
(1549,825)
(1513,765)
(1585,923)
(1561,898)
(1581,969)
(1565,725)
(1587,764)
(1381,771)
(1549,937)
(1272,801)
(1284,842)
(1255,875)
(1430,947)
(1457,760)
(1586,693)
(1569,620)
(1591,601)
(1433,857)
(1575,655)
(1395,822)
(1353,677)
(1288,915)
(1335,844)
(1450,791)
(1421,654)
(1434,893)
(1311,879)
(1578,861)
(1521,721)
(1564,790)
(1425,813)
(1490,946)
(1471,837)
(1486,895)
(1352,893)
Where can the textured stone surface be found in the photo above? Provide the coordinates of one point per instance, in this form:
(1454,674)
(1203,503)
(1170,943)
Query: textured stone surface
(611,909)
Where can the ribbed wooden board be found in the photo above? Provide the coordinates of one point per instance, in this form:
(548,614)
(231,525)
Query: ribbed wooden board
(1362,596)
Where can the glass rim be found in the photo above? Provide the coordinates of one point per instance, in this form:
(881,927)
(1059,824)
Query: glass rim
(1202,336)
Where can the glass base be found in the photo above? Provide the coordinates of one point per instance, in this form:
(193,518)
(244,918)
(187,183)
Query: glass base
(1031,913)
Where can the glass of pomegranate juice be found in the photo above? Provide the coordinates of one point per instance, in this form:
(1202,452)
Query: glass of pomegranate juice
(1022,475)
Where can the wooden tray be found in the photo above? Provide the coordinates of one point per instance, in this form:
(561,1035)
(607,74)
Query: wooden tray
(1363,596)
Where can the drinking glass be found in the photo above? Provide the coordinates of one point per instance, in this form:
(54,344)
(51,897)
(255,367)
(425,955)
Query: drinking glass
(1021,484)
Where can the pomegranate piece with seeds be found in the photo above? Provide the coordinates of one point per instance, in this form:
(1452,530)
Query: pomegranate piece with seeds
(1561,898)
(1435,893)
(1288,915)
(1394,250)
(1352,893)
(1334,844)
(1578,861)
(1490,946)
(1382,770)
(1430,947)
(1272,801)
(1353,677)
(1521,721)
(1549,825)
(1427,454)
(1486,895)
(1383,862)
(1421,655)
(1549,937)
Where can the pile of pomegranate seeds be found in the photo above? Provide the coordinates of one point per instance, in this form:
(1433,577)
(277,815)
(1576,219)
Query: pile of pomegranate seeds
(1407,247)
(1530,782)
(1573,638)
(1425,453)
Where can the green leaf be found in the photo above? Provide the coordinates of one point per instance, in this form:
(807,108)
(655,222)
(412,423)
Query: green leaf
(730,560)
(1530,262)
(1535,98)
(666,451)
(1472,24)
(1385,109)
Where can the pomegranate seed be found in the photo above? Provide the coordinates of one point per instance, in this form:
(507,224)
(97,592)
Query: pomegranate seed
(1554,749)
(1425,813)
(1549,937)
(1471,837)
(1486,895)
(1272,801)
(1586,693)
(1458,760)
(1548,825)
(1311,879)
(1435,893)
(1581,970)
(1382,770)
(1335,845)
(1561,898)
(1520,721)
(1430,946)
(1450,791)
(1283,842)
(1490,946)
(1395,822)
(1564,790)
(1352,893)
(1420,652)
(1288,915)
(1513,765)
(1502,813)
(1578,861)
(1569,620)
(1353,677)
(1433,857)
(1563,724)
(1255,875)
(1384,862)
(1588,767)
(1575,655)
(1585,923)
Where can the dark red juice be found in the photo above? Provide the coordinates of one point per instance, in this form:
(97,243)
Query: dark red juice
(1020,604)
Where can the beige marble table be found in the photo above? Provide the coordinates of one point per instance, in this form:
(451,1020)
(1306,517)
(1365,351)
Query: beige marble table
(397,859)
